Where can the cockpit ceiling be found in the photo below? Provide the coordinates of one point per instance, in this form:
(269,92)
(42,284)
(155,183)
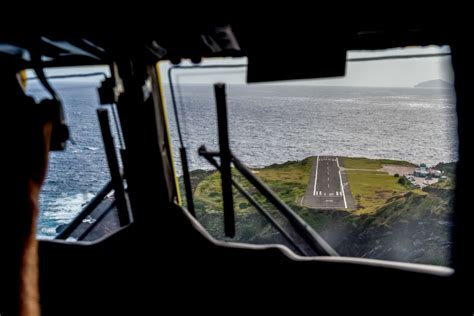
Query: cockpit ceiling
(282,41)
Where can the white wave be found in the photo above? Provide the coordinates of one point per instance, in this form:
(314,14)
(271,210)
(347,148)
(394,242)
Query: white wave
(91,148)
(47,231)
(63,210)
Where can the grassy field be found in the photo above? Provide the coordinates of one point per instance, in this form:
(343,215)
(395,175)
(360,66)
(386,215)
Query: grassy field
(288,180)
(208,193)
(365,163)
(371,189)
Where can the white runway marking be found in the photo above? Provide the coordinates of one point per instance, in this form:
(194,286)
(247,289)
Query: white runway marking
(342,187)
(316,176)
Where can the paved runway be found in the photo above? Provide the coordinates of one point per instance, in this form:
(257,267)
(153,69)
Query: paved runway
(327,187)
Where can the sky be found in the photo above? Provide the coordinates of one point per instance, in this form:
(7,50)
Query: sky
(382,73)
(72,70)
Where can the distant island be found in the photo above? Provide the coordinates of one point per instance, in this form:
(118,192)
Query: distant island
(437,83)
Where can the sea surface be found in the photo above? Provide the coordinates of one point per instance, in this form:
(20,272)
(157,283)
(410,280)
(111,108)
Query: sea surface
(78,173)
(268,124)
(273,124)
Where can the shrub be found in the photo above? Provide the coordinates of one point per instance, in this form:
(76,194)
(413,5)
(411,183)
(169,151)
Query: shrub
(405,182)
(243,205)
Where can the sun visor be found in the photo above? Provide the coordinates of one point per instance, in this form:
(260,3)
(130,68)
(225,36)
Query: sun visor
(291,58)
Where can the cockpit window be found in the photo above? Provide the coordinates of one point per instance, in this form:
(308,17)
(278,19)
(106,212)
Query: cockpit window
(367,161)
(77,175)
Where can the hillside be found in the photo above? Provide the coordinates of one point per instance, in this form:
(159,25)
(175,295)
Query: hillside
(392,222)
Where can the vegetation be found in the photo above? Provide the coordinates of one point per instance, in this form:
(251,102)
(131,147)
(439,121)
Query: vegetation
(371,190)
(370,187)
(405,182)
(393,220)
(288,180)
(447,168)
(366,163)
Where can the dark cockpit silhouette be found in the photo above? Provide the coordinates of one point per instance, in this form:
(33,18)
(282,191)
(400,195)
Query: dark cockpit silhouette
(161,254)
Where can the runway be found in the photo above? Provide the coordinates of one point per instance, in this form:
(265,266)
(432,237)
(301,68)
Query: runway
(328,186)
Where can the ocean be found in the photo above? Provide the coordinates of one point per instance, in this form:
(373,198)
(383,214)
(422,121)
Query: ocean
(268,124)
(273,124)
(76,174)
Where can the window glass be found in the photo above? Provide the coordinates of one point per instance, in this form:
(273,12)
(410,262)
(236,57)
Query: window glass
(368,160)
(76,174)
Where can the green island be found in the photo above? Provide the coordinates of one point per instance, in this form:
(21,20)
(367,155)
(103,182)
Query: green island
(393,219)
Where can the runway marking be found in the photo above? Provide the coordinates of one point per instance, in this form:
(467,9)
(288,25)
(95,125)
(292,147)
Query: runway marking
(342,186)
(316,176)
